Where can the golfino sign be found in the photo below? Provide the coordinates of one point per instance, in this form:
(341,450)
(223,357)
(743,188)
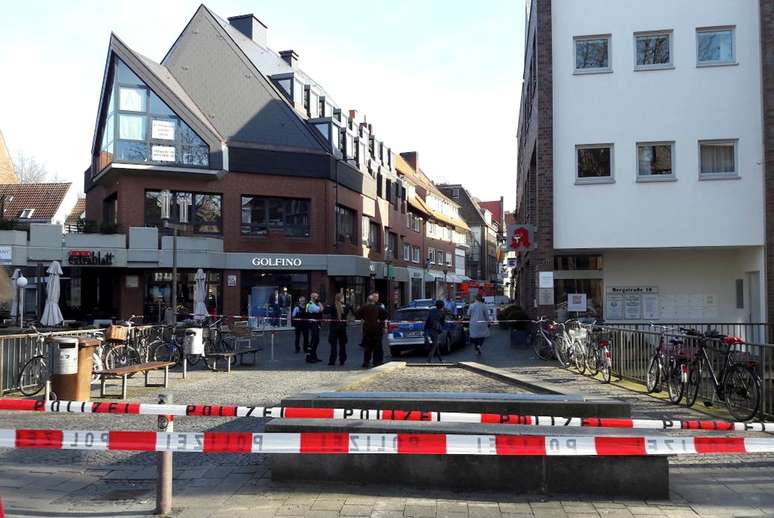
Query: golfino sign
(276,262)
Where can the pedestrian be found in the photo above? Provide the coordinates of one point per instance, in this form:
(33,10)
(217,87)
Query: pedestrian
(436,320)
(300,324)
(478,314)
(450,306)
(337,333)
(373,316)
(313,314)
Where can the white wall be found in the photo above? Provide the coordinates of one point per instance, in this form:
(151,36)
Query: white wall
(687,273)
(685,105)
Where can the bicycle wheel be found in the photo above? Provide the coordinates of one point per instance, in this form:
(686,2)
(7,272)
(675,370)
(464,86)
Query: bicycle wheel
(675,385)
(593,359)
(742,391)
(542,347)
(579,356)
(605,366)
(653,378)
(122,355)
(165,352)
(559,351)
(694,382)
(33,376)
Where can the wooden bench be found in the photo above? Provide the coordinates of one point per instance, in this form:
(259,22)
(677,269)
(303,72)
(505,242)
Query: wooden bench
(130,370)
(229,357)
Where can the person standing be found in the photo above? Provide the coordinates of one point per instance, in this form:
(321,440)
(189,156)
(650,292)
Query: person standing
(300,324)
(337,333)
(285,303)
(373,315)
(450,306)
(479,322)
(314,314)
(436,320)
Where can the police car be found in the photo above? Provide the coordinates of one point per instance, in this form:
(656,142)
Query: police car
(406,332)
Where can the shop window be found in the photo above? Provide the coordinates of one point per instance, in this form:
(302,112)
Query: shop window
(345,225)
(261,214)
(143,129)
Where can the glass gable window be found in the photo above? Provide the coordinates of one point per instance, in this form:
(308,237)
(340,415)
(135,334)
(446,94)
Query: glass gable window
(653,50)
(345,225)
(594,163)
(141,128)
(592,54)
(262,214)
(205,210)
(715,46)
(717,159)
(654,161)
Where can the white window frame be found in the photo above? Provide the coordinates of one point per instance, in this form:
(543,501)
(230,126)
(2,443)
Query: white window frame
(669,33)
(601,179)
(720,176)
(733,61)
(406,248)
(585,71)
(431,255)
(659,177)
(26,213)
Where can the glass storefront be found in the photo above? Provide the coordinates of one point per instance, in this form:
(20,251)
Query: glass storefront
(158,293)
(261,293)
(354,289)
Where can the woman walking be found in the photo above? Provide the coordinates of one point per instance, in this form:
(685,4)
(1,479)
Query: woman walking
(337,334)
(479,322)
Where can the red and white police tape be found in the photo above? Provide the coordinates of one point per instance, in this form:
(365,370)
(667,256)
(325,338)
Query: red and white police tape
(382,443)
(97,407)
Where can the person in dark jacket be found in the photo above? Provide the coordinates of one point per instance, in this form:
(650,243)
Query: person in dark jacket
(436,320)
(373,316)
(300,324)
(337,333)
(314,314)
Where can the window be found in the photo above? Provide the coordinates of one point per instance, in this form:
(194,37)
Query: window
(449,258)
(455,193)
(416,254)
(653,50)
(26,213)
(592,54)
(406,252)
(364,229)
(205,210)
(655,161)
(374,231)
(388,190)
(379,180)
(439,256)
(208,213)
(717,159)
(262,214)
(142,128)
(431,255)
(392,249)
(345,225)
(577,262)
(594,163)
(417,224)
(715,46)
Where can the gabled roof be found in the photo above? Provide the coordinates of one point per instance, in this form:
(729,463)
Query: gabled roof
(247,109)
(78,210)
(45,198)
(495,207)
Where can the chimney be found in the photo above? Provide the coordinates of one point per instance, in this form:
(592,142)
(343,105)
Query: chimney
(412,157)
(353,114)
(290,57)
(251,27)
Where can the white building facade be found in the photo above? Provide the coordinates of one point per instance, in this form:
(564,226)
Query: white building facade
(657,150)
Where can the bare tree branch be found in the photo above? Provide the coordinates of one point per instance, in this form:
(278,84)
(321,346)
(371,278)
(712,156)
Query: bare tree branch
(29,170)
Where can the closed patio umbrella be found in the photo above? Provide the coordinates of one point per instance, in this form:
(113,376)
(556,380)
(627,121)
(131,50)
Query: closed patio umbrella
(52,315)
(14,294)
(200,309)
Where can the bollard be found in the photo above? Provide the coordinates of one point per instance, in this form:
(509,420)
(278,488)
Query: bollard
(185,366)
(272,346)
(164,462)
(46,393)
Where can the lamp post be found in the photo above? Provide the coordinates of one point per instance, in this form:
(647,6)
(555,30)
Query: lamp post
(182,221)
(388,262)
(21,284)
(445,283)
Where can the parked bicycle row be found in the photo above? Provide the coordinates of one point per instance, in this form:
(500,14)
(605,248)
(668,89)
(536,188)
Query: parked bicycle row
(683,360)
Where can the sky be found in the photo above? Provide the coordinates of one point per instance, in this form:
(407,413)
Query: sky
(440,77)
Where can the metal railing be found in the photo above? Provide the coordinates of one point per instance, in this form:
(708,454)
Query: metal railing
(633,346)
(16,349)
(757,333)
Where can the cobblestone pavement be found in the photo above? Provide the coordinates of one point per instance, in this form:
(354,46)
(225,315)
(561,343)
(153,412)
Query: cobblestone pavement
(40,483)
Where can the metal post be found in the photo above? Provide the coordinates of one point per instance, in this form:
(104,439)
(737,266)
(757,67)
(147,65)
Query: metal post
(174,275)
(21,306)
(272,346)
(164,462)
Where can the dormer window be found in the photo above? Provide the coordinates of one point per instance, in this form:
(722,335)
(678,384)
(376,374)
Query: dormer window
(26,213)
(321,111)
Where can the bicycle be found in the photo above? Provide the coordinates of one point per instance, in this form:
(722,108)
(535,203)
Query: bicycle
(668,363)
(119,352)
(35,372)
(543,343)
(578,347)
(564,345)
(598,356)
(172,349)
(737,384)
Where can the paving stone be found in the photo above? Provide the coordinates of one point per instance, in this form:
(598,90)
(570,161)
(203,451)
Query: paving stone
(328,504)
(355,510)
(420,510)
(513,508)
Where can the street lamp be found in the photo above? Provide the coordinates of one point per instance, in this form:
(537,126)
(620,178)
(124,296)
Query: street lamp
(21,284)
(182,221)
(445,282)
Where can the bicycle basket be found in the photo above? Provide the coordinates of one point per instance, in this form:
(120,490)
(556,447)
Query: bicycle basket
(117,333)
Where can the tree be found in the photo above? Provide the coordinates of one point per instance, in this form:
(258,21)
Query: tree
(29,170)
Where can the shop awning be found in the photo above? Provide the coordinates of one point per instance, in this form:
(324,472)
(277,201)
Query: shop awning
(453,278)
(463,278)
(432,276)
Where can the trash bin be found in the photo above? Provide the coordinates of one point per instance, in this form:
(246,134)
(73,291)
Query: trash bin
(194,341)
(72,366)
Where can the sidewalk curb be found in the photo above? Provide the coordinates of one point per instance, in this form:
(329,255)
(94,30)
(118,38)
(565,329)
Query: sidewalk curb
(527,382)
